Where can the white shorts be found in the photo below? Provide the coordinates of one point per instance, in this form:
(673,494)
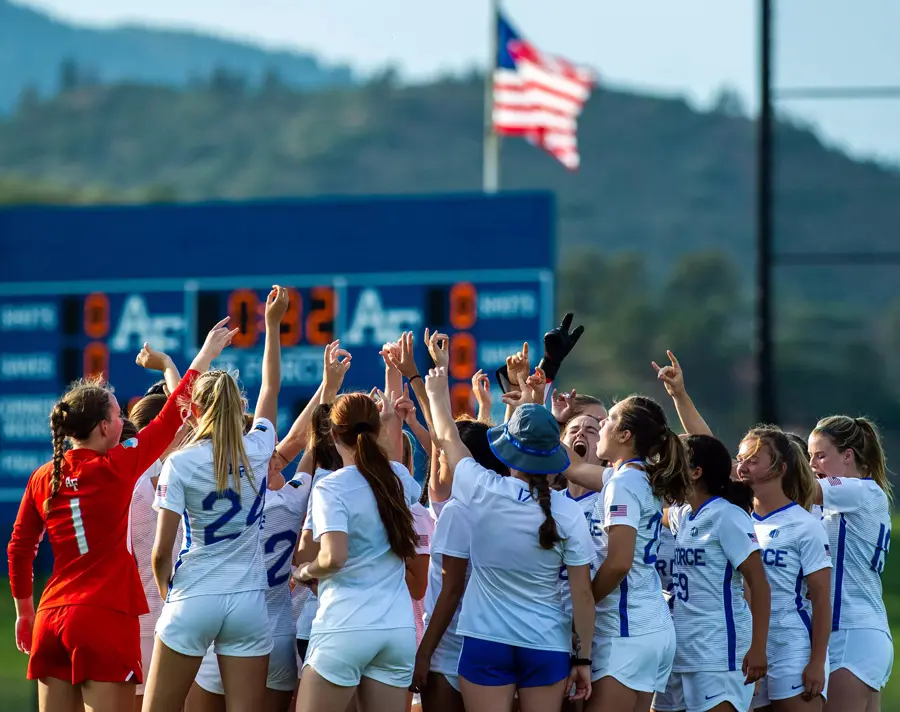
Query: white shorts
(147,642)
(641,662)
(672,700)
(452,679)
(783,681)
(282,668)
(705,690)
(445,659)
(237,624)
(866,652)
(345,657)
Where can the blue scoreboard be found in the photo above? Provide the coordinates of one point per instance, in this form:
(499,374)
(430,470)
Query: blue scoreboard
(81,289)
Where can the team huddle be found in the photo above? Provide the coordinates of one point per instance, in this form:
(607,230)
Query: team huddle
(570,557)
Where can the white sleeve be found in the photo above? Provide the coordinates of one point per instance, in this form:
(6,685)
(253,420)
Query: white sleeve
(320,473)
(620,504)
(412,490)
(424,526)
(843,494)
(736,536)
(262,432)
(169,489)
(455,535)
(465,479)
(813,545)
(578,547)
(329,511)
(677,513)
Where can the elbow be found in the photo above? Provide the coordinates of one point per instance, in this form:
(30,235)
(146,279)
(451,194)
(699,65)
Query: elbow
(331,561)
(619,569)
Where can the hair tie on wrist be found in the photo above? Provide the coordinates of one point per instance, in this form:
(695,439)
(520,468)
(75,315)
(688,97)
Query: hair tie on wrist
(414,378)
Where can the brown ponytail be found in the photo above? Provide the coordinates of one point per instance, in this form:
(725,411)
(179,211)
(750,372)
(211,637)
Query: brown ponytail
(665,458)
(357,424)
(320,442)
(539,486)
(82,408)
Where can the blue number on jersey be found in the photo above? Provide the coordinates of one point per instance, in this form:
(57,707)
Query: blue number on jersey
(209,534)
(682,586)
(653,545)
(290,537)
(881,549)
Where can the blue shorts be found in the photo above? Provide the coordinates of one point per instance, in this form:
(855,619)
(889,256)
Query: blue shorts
(491,664)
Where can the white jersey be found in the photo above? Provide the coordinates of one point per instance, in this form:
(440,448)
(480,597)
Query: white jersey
(513,594)
(636,606)
(452,537)
(794,545)
(713,624)
(369,592)
(282,518)
(222,551)
(665,562)
(310,603)
(857,518)
(141,535)
(586,502)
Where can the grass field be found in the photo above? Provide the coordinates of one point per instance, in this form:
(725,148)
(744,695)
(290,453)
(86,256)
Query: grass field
(17,694)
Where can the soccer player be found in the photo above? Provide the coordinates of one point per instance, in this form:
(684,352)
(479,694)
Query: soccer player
(516,636)
(363,637)
(721,650)
(284,512)
(855,494)
(796,557)
(216,485)
(634,637)
(84,640)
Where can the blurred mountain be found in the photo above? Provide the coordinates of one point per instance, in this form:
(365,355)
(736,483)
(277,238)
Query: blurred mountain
(33,47)
(657,176)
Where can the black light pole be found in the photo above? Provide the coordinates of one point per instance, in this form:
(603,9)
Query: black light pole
(766,407)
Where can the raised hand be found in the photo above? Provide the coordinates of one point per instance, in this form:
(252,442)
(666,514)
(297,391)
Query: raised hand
(672,376)
(558,343)
(401,356)
(518,365)
(439,348)
(562,405)
(336,364)
(276,306)
(481,387)
(216,340)
(436,383)
(537,383)
(152,360)
(404,406)
(385,403)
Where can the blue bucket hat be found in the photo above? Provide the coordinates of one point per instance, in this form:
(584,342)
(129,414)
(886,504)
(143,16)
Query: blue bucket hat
(529,442)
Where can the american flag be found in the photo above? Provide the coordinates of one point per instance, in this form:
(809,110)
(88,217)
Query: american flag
(161,490)
(753,538)
(834,481)
(538,96)
(618,510)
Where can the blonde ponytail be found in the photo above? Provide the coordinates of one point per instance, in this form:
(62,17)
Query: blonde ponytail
(221,405)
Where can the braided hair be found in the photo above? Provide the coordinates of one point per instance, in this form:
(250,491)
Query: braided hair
(539,486)
(84,405)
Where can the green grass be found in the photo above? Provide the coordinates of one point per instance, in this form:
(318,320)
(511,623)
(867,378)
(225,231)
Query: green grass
(17,694)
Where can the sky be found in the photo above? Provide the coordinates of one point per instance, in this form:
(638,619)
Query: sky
(691,48)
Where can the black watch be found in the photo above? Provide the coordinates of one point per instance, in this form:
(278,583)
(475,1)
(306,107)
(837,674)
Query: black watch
(577,662)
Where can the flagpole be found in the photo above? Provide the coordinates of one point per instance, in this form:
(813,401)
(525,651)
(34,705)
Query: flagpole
(491,157)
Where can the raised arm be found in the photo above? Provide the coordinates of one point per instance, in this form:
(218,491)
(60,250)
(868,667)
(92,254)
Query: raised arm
(481,387)
(444,427)
(267,403)
(402,358)
(673,378)
(295,440)
(160,361)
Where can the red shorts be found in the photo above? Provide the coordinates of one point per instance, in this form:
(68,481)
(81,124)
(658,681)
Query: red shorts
(78,643)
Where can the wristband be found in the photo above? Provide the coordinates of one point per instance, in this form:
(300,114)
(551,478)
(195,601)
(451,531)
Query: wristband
(414,378)
(579,662)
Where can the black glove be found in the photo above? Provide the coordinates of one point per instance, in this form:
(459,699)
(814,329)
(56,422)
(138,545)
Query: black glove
(558,342)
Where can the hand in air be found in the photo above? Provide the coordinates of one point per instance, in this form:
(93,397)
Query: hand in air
(562,405)
(481,387)
(217,339)
(537,383)
(436,383)
(672,376)
(152,360)
(558,343)
(276,306)
(439,348)
(404,406)
(401,357)
(518,365)
(336,364)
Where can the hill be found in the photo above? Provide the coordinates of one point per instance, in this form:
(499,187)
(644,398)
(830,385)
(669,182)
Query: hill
(657,176)
(33,45)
